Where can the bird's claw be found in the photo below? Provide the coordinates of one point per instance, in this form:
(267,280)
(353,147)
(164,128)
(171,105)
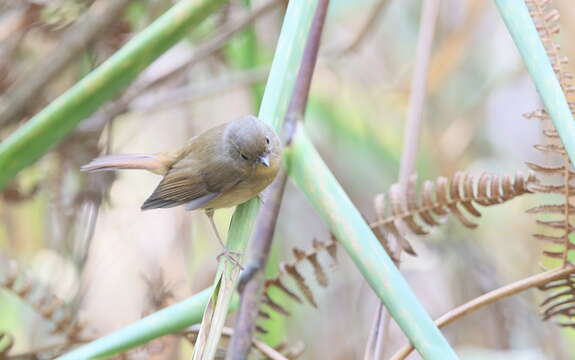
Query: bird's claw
(232,256)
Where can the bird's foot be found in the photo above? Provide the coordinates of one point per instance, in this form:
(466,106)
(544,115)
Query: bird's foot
(232,256)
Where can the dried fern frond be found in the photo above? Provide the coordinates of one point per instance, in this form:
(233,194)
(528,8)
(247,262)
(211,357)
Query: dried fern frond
(292,270)
(458,195)
(559,228)
(43,301)
(560,301)
(546,19)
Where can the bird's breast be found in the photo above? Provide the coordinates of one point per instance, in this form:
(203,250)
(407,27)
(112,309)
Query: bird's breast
(247,188)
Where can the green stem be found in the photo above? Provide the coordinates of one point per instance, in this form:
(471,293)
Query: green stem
(277,94)
(47,128)
(520,25)
(322,189)
(174,318)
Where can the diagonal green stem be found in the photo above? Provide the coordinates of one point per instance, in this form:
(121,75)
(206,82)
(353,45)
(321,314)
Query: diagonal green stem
(174,318)
(47,128)
(322,189)
(277,93)
(520,25)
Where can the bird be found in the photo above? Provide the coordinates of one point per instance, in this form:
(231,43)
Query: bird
(222,167)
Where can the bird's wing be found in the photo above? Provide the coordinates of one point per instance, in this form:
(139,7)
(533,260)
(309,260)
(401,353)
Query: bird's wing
(195,179)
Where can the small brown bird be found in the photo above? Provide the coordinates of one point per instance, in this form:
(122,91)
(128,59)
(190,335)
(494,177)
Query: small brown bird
(222,167)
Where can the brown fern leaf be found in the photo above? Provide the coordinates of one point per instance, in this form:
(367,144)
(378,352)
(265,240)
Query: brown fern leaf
(458,196)
(560,302)
(43,301)
(559,227)
(292,270)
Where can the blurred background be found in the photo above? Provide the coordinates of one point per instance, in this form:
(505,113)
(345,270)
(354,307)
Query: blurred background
(84,239)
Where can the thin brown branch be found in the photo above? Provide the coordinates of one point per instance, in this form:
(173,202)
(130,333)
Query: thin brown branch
(252,281)
(195,92)
(367,28)
(417,97)
(86,30)
(491,297)
(418,89)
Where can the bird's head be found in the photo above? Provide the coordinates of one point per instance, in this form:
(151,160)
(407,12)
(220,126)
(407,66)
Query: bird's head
(252,142)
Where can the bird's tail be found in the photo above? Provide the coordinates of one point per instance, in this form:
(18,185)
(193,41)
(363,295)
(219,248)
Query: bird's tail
(155,163)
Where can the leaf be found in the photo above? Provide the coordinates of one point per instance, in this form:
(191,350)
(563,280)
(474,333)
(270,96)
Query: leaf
(292,270)
(458,195)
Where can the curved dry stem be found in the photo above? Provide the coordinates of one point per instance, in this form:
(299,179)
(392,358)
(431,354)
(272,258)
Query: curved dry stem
(252,282)
(491,297)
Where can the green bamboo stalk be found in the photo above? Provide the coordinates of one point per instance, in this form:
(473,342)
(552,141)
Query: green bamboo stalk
(311,174)
(47,128)
(171,319)
(277,94)
(520,25)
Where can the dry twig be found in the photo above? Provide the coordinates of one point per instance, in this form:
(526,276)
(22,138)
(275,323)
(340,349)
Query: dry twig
(539,280)
(251,284)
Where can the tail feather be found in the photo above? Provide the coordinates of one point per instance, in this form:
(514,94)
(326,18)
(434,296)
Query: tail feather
(153,163)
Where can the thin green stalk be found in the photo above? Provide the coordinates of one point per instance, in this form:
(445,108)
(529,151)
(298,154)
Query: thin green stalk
(174,318)
(47,128)
(277,93)
(520,25)
(322,189)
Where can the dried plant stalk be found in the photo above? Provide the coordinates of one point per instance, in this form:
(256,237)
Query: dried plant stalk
(458,195)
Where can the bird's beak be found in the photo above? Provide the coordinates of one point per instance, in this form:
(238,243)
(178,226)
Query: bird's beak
(265,160)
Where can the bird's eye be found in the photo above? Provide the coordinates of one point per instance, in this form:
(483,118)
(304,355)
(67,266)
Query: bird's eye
(243,156)
(267,140)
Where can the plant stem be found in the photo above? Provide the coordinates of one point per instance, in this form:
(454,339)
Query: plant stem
(266,224)
(171,319)
(428,20)
(491,297)
(520,25)
(277,93)
(367,28)
(418,89)
(322,189)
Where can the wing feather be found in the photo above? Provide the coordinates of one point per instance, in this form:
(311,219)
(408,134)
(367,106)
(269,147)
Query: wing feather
(196,178)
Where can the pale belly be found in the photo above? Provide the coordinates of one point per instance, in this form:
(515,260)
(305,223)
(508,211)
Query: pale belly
(246,189)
